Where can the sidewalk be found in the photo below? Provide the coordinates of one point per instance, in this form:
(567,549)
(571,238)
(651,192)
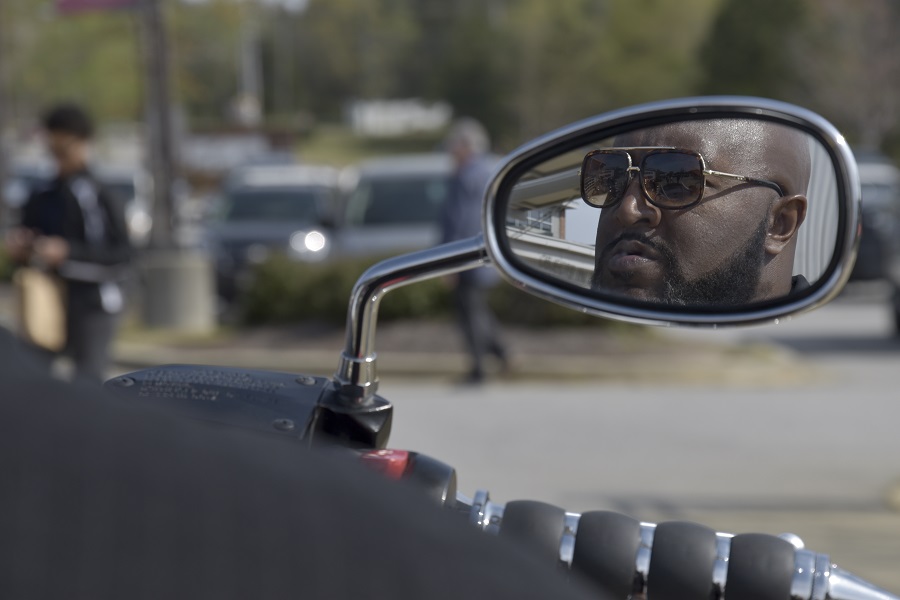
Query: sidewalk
(861,539)
(434,350)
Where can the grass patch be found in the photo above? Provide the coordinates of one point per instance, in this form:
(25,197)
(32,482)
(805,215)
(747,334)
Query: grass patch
(133,331)
(6,266)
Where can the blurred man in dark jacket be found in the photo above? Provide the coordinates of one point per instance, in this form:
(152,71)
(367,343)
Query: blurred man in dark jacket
(468,143)
(76,229)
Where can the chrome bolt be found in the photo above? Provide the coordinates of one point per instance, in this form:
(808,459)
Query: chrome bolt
(283,424)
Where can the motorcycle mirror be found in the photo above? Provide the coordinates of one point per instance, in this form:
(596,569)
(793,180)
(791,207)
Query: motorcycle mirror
(701,211)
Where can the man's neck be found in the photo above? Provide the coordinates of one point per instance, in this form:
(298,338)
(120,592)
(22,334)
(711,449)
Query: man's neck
(70,171)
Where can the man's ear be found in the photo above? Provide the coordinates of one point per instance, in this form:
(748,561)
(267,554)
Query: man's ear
(785,218)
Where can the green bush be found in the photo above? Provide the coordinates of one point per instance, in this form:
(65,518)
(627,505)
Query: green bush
(6,266)
(286,291)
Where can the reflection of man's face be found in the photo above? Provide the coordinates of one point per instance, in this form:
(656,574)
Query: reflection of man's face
(648,268)
(733,247)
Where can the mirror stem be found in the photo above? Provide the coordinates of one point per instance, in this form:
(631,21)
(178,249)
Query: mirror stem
(356,377)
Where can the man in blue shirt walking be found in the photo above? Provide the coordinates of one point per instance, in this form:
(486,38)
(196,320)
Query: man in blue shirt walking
(468,143)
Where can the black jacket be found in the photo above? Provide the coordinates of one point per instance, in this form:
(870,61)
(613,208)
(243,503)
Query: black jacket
(54,210)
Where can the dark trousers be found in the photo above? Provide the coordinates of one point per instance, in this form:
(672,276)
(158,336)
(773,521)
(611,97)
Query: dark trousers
(478,324)
(89,336)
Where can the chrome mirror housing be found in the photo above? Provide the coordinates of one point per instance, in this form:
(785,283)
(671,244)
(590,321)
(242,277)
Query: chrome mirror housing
(709,211)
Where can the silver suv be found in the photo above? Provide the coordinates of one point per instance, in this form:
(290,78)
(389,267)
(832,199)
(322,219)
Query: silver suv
(879,248)
(392,205)
(267,210)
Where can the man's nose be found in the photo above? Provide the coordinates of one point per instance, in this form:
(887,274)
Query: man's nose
(635,209)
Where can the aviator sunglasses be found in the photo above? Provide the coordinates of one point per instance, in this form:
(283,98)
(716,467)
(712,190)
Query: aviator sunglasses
(671,178)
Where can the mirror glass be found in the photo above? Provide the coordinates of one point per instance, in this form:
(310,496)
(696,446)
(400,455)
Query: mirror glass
(700,213)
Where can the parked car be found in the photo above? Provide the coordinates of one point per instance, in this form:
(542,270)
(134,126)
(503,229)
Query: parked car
(392,205)
(285,209)
(879,248)
(133,186)
(21,181)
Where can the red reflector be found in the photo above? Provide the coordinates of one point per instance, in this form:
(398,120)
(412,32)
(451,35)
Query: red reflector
(391,463)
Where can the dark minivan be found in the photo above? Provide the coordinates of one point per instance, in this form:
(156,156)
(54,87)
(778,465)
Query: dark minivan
(879,248)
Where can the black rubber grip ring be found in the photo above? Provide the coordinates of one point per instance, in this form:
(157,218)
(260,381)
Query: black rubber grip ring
(681,562)
(759,566)
(535,525)
(605,549)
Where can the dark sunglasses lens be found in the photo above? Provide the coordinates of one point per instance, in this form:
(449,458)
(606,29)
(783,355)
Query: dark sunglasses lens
(604,177)
(672,179)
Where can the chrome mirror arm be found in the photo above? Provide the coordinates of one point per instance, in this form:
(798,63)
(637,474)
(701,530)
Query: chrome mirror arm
(357,376)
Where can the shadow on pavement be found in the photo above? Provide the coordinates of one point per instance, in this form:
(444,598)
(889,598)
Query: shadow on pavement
(840,344)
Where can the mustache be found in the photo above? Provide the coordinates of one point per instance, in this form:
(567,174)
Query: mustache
(633,236)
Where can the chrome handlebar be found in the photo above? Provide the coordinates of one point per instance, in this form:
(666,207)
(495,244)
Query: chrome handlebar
(812,576)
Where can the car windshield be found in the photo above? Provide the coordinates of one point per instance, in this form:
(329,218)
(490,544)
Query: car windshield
(274,205)
(19,187)
(398,201)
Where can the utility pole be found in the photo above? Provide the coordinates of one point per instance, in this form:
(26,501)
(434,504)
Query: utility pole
(158,127)
(5,107)
(178,283)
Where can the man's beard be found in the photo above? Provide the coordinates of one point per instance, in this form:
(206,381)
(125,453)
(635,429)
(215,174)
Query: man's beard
(732,283)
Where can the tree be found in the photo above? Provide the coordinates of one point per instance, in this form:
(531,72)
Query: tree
(348,49)
(749,48)
(851,66)
(90,58)
(205,41)
(826,55)
(471,64)
(577,58)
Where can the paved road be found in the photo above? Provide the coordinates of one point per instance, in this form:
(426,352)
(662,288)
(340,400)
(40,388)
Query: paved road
(818,458)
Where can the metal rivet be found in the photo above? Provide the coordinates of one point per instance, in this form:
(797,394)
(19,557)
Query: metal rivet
(283,424)
(125,381)
(306,380)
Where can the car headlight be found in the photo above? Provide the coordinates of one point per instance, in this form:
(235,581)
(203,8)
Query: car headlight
(308,242)
(139,223)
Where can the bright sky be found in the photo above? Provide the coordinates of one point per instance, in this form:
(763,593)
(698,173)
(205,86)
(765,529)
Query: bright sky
(581,223)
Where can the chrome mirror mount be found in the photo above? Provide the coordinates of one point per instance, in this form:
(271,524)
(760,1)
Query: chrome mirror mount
(357,375)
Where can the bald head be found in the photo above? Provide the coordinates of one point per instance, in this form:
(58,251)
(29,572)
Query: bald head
(750,147)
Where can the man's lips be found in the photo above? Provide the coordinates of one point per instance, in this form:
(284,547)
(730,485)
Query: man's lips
(634,248)
(630,257)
